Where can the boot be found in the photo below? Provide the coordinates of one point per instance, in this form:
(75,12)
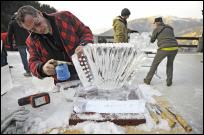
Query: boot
(169,84)
(27,74)
(146,82)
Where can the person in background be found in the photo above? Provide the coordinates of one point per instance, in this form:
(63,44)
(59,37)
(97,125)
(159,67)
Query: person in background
(3,50)
(53,37)
(20,35)
(120,27)
(168,47)
(200,42)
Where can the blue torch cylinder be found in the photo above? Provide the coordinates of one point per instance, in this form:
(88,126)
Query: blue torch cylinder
(62,72)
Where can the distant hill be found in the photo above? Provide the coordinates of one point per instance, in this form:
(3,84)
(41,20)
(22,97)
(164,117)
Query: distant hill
(182,26)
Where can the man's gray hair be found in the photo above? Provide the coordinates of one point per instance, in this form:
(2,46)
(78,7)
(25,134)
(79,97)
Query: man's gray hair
(25,10)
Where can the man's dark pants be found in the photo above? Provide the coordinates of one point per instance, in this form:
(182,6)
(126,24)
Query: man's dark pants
(23,54)
(161,54)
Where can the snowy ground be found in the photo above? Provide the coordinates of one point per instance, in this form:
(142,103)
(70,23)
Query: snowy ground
(186,93)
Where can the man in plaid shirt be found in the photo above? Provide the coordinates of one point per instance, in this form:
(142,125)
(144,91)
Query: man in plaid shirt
(53,37)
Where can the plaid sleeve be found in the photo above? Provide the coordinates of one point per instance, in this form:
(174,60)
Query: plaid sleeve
(82,30)
(35,63)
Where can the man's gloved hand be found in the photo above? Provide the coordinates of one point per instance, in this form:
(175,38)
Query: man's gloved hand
(79,49)
(14,121)
(49,67)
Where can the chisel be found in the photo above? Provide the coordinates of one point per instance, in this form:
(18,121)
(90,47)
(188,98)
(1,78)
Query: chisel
(152,113)
(181,121)
(164,115)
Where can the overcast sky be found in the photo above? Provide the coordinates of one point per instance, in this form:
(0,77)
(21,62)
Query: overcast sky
(98,15)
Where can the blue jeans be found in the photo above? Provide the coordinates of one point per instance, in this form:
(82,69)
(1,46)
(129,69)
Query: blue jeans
(23,54)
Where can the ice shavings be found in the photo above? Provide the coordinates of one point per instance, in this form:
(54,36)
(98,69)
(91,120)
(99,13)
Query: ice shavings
(148,92)
(95,116)
(90,127)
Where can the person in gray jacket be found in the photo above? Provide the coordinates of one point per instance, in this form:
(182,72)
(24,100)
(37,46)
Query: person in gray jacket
(168,47)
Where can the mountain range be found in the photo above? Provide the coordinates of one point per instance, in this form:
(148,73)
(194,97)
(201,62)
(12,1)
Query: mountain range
(182,26)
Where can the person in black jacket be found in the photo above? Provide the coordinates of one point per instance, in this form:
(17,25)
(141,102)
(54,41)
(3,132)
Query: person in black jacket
(20,36)
(3,55)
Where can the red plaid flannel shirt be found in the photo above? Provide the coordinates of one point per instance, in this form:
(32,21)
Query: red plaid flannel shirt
(72,32)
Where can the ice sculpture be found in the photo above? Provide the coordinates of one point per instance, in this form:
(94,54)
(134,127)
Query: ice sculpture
(110,66)
(142,41)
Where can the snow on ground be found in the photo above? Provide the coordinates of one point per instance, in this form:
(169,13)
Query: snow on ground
(185,95)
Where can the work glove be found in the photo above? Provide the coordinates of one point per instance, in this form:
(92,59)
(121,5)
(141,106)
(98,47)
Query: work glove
(49,67)
(13,123)
(79,49)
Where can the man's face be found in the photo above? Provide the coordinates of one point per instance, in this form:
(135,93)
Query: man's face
(126,17)
(36,24)
(157,24)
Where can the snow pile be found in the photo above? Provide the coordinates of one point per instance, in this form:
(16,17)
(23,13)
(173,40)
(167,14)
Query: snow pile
(6,80)
(95,116)
(147,93)
(90,127)
(54,115)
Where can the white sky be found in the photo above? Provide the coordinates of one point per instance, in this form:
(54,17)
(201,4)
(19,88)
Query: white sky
(98,15)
